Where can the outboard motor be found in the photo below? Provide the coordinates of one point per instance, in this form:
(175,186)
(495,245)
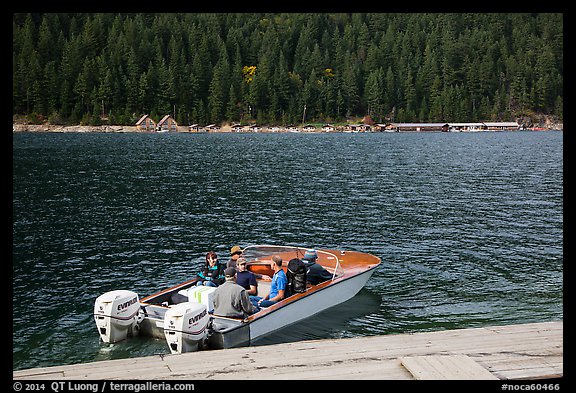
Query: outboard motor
(186,326)
(116,314)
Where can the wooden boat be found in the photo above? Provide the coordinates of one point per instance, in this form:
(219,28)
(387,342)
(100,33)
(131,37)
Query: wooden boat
(350,271)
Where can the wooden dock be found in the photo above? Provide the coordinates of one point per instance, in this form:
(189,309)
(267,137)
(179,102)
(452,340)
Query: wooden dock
(526,351)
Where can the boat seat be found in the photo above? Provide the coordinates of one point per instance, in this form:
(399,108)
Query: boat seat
(264,287)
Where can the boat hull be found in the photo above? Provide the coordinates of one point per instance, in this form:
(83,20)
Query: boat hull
(322,299)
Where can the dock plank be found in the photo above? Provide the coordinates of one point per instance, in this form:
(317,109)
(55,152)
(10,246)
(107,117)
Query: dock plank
(532,350)
(445,367)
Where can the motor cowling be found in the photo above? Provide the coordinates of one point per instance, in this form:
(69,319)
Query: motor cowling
(186,327)
(116,315)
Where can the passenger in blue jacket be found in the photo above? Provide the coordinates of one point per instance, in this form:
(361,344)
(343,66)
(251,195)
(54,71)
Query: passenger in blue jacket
(277,287)
(212,274)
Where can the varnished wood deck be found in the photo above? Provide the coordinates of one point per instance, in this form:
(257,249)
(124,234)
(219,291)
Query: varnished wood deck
(527,351)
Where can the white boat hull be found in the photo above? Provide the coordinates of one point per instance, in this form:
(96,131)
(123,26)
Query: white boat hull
(321,300)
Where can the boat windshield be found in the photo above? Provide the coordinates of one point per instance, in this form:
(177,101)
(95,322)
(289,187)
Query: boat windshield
(264,253)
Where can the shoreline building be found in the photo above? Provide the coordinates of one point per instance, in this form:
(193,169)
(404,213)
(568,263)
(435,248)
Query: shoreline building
(501,126)
(167,124)
(145,124)
(403,127)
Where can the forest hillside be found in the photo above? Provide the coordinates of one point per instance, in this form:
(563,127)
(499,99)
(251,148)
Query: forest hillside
(284,68)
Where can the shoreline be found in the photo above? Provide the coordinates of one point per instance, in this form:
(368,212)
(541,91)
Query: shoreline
(77,128)
(20,127)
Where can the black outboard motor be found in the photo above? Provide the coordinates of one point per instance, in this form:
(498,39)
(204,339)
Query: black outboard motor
(296,277)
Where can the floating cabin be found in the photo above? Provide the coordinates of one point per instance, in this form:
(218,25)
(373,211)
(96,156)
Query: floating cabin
(328,127)
(212,128)
(255,128)
(308,128)
(400,127)
(194,128)
(358,127)
(502,126)
(455,127)
(167,124)
(237,127)
(145,124)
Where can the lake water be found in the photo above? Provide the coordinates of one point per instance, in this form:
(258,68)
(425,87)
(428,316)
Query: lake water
(469,226)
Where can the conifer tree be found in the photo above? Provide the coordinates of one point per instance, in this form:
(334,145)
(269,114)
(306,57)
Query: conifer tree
(429,67)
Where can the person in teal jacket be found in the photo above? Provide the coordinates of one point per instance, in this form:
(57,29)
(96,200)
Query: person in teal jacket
(212,274)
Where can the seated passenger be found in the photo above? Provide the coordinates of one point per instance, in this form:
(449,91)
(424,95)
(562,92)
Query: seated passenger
(235,253)
(315,273)
(230,299)
(212,274)
(277,287)
(246,279)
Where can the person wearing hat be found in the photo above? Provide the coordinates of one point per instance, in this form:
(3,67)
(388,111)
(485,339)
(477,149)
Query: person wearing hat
(230,299)
(315,273)
(245,278)
(235,253)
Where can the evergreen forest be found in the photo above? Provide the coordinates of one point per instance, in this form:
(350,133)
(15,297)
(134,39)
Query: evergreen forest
(288,68)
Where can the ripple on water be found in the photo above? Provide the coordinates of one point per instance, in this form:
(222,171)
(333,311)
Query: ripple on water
(469,227)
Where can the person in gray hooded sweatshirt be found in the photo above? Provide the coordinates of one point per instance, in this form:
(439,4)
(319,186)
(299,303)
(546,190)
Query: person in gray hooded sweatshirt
(230,299)
(315,273)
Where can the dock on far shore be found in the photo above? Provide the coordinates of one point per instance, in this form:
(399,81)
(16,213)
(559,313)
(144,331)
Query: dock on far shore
(512,352)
